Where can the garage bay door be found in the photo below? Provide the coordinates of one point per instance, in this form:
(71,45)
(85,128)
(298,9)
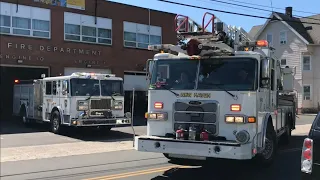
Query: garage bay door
(135,80)
(69,70)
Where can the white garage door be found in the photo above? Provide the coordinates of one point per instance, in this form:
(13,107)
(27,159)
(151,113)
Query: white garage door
(138,82)
(69,70)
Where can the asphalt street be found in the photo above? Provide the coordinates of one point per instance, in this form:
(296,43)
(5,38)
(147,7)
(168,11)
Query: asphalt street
(133,165)
(125,163)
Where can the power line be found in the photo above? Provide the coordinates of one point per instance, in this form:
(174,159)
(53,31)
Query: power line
(234,7)
(250,7)
(235,13)
(273,7)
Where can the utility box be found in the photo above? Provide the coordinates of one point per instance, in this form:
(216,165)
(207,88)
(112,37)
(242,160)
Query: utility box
(288,79)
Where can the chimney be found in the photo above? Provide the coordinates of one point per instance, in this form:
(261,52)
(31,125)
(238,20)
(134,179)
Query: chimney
(289,11)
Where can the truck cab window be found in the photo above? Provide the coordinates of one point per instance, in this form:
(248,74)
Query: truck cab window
(272,79)
(54,88)
(48,88)
(65,87)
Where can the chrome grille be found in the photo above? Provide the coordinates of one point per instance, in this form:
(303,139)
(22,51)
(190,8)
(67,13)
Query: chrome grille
(100,104)
(200,114)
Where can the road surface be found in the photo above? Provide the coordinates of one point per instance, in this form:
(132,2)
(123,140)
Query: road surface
(133,165)
(43,155)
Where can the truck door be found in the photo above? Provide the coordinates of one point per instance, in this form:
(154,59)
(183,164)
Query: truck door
(47,100)
(273,95)
(64,99)
(55,94)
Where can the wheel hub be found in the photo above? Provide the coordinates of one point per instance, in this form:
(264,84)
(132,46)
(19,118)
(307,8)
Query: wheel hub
(55,123)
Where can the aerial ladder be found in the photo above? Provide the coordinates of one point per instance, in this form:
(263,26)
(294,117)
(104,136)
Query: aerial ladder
(194,39)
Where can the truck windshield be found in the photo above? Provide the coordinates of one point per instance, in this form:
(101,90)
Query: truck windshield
(84,87)
(111,88)
(175,74)
(210,74)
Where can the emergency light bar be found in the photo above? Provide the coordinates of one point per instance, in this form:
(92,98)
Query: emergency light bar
(91,74)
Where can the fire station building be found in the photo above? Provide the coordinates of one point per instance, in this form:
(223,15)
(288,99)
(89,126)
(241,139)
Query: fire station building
(57,38)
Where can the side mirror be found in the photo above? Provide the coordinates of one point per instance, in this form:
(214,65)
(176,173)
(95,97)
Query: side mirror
(265,73)
(149,67)
(64,87)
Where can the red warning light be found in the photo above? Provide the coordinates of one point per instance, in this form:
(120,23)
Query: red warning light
(16,81)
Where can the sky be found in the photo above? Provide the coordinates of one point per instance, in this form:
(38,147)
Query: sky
(246,23)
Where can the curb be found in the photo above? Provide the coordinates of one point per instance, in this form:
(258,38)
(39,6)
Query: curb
(307,114)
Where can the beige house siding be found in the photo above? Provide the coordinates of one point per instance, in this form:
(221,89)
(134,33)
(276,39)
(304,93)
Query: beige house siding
(291,51)
(313,78)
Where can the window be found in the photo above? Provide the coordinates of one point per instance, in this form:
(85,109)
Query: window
(269,38)
(306,92)
(48,88)
(306,62)
(28,21)
(283,37)
(140,35)
(54,88)
(82,28)
(283,62)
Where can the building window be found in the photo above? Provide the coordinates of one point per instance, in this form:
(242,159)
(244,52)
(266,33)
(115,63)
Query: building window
(269,38)
(306,62)
(283,37)
(82,28)
(28,21)
(306,92)
(283,62)
(141,35)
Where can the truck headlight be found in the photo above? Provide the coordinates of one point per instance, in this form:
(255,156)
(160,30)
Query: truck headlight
(82,105)
(235,119)
(117,105)
(157,116)
(239,119)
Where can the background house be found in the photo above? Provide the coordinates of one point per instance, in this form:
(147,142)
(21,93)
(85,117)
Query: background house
(297,44)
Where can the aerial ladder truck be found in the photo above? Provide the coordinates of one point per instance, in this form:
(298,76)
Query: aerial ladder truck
(217,94)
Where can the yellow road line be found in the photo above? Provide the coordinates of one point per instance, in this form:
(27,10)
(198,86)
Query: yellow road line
(136,173)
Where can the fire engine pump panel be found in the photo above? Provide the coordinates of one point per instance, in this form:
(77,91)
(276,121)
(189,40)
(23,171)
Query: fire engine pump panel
(80,99)
(196,119)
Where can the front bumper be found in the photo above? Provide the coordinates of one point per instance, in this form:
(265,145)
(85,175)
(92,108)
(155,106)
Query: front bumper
(194,149)
(120,121)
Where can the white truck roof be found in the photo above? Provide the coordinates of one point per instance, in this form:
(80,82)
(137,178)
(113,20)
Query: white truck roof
(84,75)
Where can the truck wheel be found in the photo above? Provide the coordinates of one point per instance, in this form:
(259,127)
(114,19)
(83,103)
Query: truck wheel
(285,138)
(172,159)
(23,116)
(55,122)
(105,129)
(267,156)
(182,161)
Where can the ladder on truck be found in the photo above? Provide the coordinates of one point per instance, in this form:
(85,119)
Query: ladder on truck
(194,39)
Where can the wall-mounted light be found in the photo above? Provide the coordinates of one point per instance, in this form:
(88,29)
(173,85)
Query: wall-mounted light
(19,61)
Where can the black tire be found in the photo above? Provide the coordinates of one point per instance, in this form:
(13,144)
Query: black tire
(285,138)
(267,156)
(185,162)
(105,129)
(55,122)
(172,159)
(23,116)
